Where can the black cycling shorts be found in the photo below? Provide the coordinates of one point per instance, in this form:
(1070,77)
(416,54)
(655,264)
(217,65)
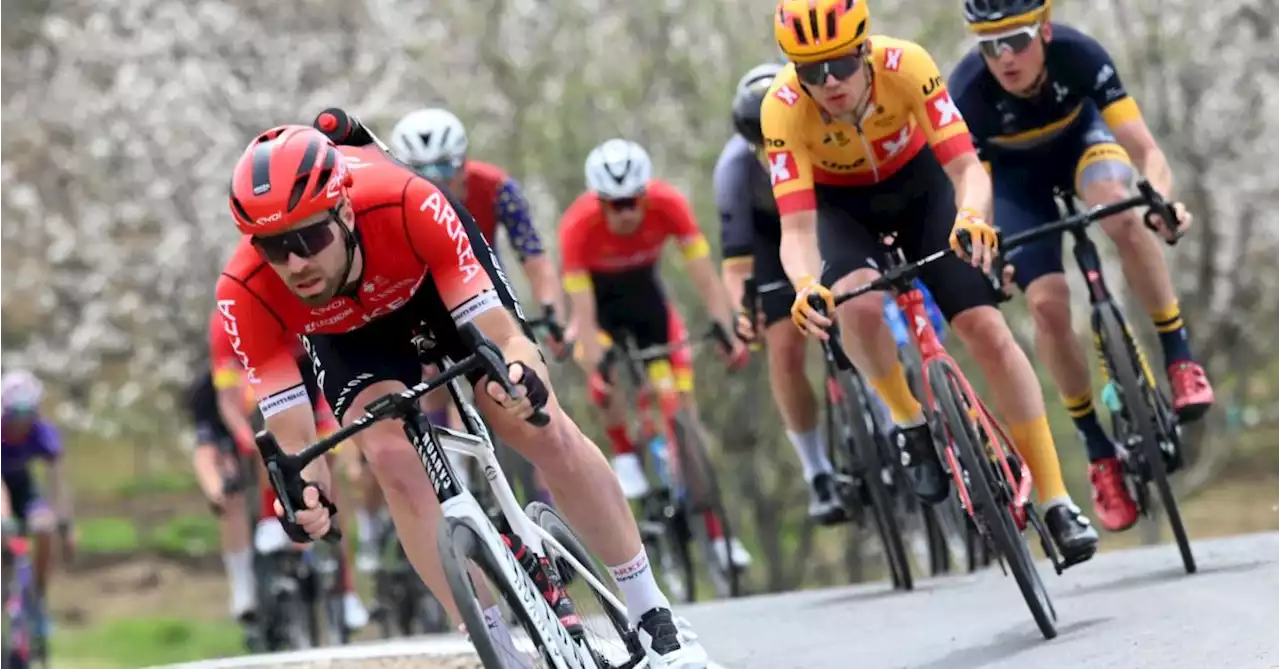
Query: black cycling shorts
(202,407)
(776,294)
(917,205)
(383,350)
(24,495)
(631,305)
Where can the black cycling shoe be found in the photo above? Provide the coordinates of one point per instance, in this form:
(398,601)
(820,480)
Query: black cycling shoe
(825,504)
(1072,532)
(928,478)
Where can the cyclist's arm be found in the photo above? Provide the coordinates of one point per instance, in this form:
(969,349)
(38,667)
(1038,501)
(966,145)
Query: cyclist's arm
(577,284)
(944,128)
(697,256)
(263,348)
(229,385)
(1121,113)
(737,226)
(6,507)
(464,286)
(513,214)
(791,175)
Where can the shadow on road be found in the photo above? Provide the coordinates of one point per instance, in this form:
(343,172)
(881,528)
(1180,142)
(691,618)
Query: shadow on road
(1005,645)
(1163,576)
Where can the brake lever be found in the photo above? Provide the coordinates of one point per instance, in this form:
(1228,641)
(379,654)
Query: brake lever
(495,367)
(1157,203)
(286,480)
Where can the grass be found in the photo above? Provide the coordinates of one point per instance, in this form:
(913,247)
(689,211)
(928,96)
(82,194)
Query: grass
(125,643)
(195,534)
(108,535)
(187,535)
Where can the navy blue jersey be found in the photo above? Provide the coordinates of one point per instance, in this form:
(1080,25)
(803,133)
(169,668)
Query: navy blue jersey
(744,199)
(1080,75)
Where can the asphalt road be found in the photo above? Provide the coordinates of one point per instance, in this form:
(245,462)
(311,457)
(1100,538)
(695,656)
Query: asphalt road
(1123,610)
(1126,609)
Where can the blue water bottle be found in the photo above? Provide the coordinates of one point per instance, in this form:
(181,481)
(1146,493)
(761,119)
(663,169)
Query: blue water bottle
(658,453)
(1111,397)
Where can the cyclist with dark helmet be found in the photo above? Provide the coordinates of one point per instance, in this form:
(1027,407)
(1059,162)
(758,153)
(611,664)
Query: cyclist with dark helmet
(1046,108)
(749,237)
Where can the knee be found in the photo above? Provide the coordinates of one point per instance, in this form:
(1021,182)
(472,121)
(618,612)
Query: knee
(863,316)
(785,347)
(983,330)
(389,455)
(1049,303)
(1125,228)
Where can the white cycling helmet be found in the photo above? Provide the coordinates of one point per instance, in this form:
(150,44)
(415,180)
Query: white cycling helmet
(618,169)
(20,391)
(430,137)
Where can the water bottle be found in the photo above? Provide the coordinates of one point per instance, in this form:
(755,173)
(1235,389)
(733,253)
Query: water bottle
(658,453)
(1111,397)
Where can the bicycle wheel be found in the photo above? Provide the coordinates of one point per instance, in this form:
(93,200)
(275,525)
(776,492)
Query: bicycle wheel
(612,641)
(665,534)
(463,553)
(862,455)
(983,478)
(702,488)
(1139,400)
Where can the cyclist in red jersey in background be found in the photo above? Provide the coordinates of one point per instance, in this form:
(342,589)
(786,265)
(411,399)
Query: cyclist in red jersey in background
(358,255)
(611,239)
(235,407)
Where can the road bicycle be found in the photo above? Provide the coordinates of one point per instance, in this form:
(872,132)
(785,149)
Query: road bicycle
(1146,427)
(870,473)
(468,542)
(25,644)
(685,503)
(993,483)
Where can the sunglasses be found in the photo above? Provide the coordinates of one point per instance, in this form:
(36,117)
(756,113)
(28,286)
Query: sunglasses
(443,170)
(303,242)
(815,74)
(622,203)
(1014,41)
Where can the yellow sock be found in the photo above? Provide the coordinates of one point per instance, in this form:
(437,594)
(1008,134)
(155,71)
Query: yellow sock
(1034,442)
(896,393)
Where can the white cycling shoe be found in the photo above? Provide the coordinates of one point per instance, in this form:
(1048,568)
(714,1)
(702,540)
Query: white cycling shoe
(630,473)
(731,552)
(670,642)
(354,615)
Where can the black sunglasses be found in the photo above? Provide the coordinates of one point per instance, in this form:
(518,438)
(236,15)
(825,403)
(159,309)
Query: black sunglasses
(1015,41)
(303,242)
(843,67)
(621,203)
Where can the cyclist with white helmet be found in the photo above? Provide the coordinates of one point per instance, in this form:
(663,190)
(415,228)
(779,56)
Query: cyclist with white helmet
(25,437)
(749,236)
(611,239)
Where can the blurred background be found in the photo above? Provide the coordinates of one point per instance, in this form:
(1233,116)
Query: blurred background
(122,120)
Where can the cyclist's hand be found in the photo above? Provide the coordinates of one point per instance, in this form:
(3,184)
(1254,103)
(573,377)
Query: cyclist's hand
(314,518)
(744,328)
(1006,281)
(983,241)
(1157,223)
(737,356)
(531,392)
(810,320)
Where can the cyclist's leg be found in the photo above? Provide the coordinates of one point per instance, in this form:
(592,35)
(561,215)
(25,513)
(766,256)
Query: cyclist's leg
(1023,201)
(237,555)
(629,471)
(793,394)
(966,298)
(850,252)
(1102,176)
(355,616)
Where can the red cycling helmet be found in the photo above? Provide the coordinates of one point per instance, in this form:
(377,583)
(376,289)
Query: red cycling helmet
(286,175)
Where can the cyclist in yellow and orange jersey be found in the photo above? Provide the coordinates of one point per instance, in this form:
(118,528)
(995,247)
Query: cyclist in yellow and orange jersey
(863,141)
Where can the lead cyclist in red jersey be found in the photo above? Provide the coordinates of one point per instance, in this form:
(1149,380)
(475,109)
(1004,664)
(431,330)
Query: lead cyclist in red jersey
(611,239)
(358,254)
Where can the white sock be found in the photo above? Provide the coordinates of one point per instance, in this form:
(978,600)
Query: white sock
(364,526)
(639,588)
(1055,501)
(239,567)
(812,450)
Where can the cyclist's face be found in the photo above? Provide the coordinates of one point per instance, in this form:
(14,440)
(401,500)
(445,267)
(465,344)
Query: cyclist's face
(624,215)
(838,85)
(318,276)
(1015,56)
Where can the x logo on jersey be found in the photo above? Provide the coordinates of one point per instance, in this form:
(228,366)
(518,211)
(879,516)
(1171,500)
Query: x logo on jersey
(782,167)
(944,111)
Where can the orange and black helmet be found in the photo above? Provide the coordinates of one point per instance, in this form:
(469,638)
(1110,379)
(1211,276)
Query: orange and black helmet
(811,31)
(286,175)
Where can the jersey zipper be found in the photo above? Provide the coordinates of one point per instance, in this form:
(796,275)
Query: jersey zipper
(862,137)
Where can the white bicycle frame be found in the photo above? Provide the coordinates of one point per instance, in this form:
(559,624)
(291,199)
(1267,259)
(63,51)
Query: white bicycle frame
(563,651)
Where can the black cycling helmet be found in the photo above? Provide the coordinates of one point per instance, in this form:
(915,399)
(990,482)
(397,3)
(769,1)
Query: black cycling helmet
(746,102)
(991,11)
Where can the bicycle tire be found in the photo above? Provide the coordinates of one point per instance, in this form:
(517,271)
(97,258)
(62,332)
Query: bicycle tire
(1138,399)
(695,457)
(866,465)
(458,543)
(947,395)
(668,546)
(550,520)
(939,555)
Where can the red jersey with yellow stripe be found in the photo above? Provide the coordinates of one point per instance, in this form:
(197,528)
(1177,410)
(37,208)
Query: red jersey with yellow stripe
(910,108)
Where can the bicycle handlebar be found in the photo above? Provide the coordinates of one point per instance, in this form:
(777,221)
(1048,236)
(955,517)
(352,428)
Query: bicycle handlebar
(656,351)
(554,329)
(285,470)
(1146,196)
